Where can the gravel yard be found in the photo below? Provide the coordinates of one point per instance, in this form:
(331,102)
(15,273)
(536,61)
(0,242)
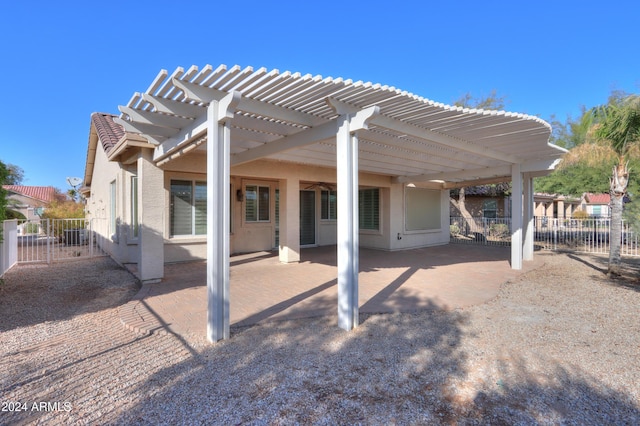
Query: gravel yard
(559,345)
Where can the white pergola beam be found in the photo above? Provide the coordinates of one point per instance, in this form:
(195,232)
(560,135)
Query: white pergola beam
(204,94)
(437,156)
(544,165)
(145,129)
(483,173)
(439,138)
(156,119)
(169,106)
(305,137)
(184,136)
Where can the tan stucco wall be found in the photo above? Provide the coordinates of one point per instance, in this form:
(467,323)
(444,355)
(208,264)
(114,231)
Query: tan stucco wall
(119,244)
(247,237)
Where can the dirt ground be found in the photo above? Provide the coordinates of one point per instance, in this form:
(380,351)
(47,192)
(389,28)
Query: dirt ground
(558,345)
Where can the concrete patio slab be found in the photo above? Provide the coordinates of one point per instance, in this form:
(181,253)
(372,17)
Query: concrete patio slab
(263,289)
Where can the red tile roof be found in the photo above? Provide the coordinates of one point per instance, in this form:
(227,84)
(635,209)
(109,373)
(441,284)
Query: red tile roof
(598,198)
(41,193)
(109,132)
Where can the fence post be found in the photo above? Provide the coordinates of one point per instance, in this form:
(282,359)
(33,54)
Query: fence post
(90,236)
(48,236)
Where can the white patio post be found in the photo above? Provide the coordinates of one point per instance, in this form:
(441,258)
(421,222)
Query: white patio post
(289,246)
(218,204)
(348,254)
(516,217)
(527,250)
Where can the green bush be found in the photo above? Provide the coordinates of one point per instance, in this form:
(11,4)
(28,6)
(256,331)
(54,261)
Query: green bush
(31,228)
(499,230)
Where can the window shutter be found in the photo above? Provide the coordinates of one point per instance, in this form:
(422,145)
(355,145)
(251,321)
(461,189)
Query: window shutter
(369,208)
(181,219)
(200,205)
(263,203)
(251,203)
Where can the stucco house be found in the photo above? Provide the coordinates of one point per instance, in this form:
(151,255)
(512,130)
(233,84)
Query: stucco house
(483,201)
(213,161)
(596,205)
(555,206)
(30,201)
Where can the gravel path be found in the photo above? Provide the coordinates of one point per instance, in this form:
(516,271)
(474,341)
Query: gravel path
(559,345)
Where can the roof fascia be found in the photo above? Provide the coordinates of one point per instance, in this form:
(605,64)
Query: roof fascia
(128,143)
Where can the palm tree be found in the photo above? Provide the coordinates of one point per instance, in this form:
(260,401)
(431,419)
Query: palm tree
(618,129)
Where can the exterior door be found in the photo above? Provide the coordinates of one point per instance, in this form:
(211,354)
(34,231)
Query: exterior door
(307,218)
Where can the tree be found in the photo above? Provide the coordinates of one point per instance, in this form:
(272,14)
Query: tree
(618,130)
(15,175)
(492,101)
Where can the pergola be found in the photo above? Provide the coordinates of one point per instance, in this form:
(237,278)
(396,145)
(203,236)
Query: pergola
(239,115)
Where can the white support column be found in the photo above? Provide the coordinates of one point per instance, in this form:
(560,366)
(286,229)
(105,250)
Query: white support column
(218,204)
(516,217)
(289,247)
(527,250)
(150,218)
(348,235)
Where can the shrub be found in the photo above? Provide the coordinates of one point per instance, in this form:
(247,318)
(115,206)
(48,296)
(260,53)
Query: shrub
(31,228)
(580,214)
(499,230)
(64,210)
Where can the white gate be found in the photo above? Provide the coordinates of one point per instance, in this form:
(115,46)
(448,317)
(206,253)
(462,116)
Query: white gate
(50,240)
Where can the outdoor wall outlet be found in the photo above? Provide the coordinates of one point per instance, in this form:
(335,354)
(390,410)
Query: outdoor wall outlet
(399,236)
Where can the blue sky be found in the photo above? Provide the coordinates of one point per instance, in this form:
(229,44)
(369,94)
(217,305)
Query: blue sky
(61,61)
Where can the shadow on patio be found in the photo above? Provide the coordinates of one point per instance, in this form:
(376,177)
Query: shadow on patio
(263,289)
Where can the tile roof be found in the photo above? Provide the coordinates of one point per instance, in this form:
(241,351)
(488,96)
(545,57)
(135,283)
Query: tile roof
(109,132)
(41,193)
(598,198)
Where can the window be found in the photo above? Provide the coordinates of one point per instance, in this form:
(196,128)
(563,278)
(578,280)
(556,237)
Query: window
(597,210)
(369,209)
(134,206)
(256,203)
(328,205)
(422,210)
(112,207)
(490,209)
(188,208)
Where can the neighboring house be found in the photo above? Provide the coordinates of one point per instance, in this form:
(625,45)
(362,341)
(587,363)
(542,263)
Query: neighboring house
(555,206)
(222,160)
(596,205)
(30,201)
(484,201)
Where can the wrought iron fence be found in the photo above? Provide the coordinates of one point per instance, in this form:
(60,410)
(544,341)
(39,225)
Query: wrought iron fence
(49,240)
(583,235)
(480,230)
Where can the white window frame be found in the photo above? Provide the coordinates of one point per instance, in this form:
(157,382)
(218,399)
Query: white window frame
(192,204)
(135,226)
(113,197)
(332,207)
